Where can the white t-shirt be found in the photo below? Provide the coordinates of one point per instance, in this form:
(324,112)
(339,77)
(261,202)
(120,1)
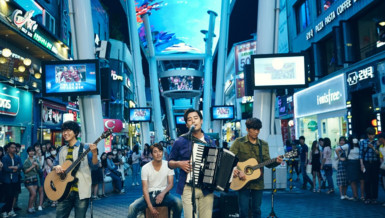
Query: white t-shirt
(354,154)
(157,180)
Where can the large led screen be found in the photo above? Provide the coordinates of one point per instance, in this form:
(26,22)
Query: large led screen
(71,78)
(278,71)
(222,112)
(181,83)
(140,114)
(176,25)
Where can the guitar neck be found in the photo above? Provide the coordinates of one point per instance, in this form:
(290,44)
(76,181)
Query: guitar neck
(80,158)
(264,163)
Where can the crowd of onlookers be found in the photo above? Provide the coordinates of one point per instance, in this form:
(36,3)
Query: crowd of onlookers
(358,163)
(114,166)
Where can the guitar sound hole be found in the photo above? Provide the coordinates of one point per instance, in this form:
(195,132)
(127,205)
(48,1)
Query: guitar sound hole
(249,170)
(53,186)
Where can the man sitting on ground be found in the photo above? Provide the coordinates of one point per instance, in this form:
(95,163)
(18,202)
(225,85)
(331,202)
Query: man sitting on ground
(157,181)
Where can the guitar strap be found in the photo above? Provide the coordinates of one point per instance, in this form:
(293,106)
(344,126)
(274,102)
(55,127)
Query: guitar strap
(79,153)
(260,154)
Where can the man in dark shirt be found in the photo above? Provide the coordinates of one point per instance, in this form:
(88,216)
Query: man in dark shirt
(304,161)
(180,158)
(370,164)
(251,146)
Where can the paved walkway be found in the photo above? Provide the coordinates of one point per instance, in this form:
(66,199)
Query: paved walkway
(297,203)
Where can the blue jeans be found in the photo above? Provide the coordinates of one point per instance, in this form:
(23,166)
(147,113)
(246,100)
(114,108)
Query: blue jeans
(64,208)
(135,173)
(171,201)
(244,196)
(305,177)
(116,181)
(329,175)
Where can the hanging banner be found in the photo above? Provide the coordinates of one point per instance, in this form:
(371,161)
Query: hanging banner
(243,54)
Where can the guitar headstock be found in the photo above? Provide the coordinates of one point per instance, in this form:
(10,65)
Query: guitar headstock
(106,133)
(290,154)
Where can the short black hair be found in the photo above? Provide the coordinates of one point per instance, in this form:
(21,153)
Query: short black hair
(71,125)
(156,145)
(320,139)
(191,110)
(370,131)
(31,148)
(109,154)
(254,123)
(302,137)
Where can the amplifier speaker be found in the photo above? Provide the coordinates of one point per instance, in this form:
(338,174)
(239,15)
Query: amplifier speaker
(226,205)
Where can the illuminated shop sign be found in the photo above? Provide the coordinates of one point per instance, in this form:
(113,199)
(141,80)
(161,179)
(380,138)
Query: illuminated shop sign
(342,8)
(326,96)
(9,105)
(28,26)
(357,76)
(115,76)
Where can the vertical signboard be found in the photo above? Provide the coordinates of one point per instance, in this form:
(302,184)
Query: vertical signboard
(243,52)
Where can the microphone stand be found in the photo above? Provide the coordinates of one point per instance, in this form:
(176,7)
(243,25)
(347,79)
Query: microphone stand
(194,206)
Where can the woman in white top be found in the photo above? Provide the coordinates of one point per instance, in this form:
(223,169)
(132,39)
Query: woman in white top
(327,164)
(353,169)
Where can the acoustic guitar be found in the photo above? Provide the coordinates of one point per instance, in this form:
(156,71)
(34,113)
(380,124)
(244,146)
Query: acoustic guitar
(252,170)
(57,186)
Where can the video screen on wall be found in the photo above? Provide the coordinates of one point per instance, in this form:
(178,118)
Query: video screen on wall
(71,78)
(223,112)
(142,114)
(278,71)
(180,120)
(180,83)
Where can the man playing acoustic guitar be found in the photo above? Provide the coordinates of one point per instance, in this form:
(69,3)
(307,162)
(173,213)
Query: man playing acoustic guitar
(80,191)
(250,146)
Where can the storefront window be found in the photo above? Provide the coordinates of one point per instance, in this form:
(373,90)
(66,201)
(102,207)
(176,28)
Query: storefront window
(9,134)
(333,128)
(308,127)
(323,5)
(370,32)
(303,16)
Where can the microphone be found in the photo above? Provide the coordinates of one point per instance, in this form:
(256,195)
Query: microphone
(192,128)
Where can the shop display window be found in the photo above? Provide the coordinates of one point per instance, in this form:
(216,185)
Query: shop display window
(9,134)
(324,5)
(303,16)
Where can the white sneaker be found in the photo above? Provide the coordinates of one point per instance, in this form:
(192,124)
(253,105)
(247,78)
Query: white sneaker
(137,183)
(5,215)
(39,208)
(12,214)
(133,184)
(343,197)
(349,198)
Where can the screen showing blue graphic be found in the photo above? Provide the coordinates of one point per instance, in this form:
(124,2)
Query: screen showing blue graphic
(223,112)
(180,120)
(142,114)
(176,25)
(71,78)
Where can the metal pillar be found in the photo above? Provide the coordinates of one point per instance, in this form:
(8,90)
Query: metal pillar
(171,119)
(154,83)
(263,106)
(222,54)
(208,72)
(90,106)
(138,70)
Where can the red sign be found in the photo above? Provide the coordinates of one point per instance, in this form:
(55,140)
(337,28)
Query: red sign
(114,124)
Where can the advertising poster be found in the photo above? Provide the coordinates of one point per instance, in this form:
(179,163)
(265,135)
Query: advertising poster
(243,54)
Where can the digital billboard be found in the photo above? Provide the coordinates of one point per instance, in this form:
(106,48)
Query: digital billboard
(278,71)
(70,78)
(180,120)
(142,114)
(222,112)
(176,25)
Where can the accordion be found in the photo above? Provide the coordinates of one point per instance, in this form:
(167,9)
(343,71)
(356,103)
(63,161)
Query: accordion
(213,168)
